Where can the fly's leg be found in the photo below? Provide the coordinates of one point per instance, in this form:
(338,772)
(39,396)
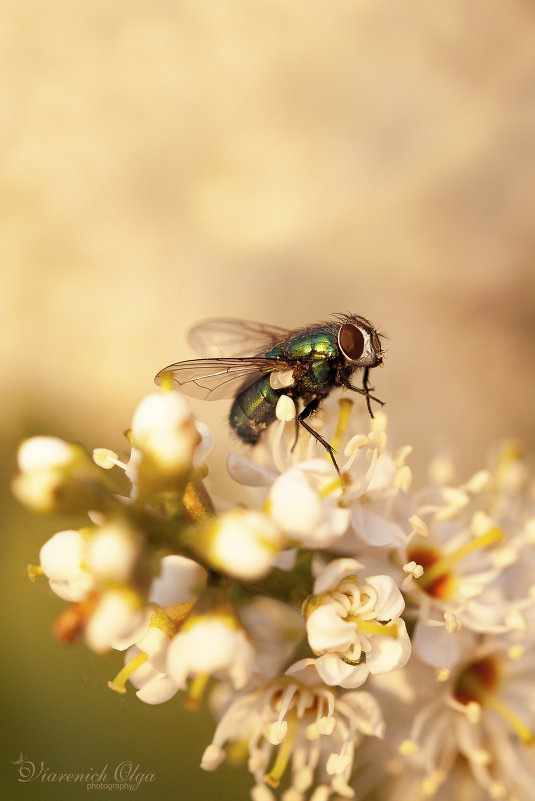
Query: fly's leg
(365,390)
(301,417)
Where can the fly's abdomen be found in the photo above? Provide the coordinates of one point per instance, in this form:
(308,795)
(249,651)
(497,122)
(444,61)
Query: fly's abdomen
(253,410)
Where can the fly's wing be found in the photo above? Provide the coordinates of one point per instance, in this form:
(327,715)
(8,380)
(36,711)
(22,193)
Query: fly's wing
(225,337)
(213,379)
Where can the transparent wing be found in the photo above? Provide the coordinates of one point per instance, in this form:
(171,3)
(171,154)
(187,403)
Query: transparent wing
(212,379)
(226,337)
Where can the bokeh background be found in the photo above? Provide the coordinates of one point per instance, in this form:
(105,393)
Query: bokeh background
(166,161)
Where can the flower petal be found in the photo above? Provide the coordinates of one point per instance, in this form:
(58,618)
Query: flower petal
(389,653)
(335,672)
(390,602)
(331,576)
(327,631)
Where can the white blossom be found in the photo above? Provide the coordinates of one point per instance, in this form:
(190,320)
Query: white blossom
(313,730)
(211,644)
(62,560)
(117,614)
(304,503)
(242,543)
(112,551)
(162,426)
(347,620)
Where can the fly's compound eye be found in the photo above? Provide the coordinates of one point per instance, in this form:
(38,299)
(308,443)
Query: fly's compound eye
(351,341)
(376,342)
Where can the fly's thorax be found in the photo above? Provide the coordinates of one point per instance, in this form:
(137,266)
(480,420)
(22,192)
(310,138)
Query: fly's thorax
(309,343)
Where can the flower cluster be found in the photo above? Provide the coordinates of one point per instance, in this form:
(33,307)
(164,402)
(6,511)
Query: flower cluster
(355,634)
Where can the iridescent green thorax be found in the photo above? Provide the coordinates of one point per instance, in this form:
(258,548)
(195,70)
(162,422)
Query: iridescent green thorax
(319,342)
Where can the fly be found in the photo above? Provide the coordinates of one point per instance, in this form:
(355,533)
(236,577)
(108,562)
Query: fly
(255,364)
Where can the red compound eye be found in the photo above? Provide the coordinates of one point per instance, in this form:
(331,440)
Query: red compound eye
(351,341)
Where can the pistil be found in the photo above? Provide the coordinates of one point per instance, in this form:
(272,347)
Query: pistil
(374,627)
(478,684)
(443,565)
(196,690)
(346,405)
(284,753)
(119,682)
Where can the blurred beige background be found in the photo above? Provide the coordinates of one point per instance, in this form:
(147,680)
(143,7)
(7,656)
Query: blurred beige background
(162,162)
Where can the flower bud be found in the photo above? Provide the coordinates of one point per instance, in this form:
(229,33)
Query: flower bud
(239,542)
(112,551)
(62,558)
(56,476)
(164,432)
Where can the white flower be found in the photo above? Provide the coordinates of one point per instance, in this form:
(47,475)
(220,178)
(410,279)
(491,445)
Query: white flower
(112,551)
(239,542)
(211,644)
(275,629)
(377,491)
(44,453)
(163,430)
(54,475)
(304,503)
(146,660)
(62,559)
(483,712)
(153,686)
(117,614)
(347,619)
(315,731)
(312,503)
(179,580)
(456,580)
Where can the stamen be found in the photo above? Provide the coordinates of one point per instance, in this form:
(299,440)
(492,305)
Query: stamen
(337,763)
(374,627)
(332,486)
(516,620)
(495,703)
(106,458)
(452,622)
(516,652)
(33,571)
(378,440)
(408,747)
(413,569)
(237,752)
(473,712)
(346,406)
(119,682)
(196,690)
(287,698)
(403,479)
(477,683)
(284,753)
(479,482)
(444,565)
(433,782)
